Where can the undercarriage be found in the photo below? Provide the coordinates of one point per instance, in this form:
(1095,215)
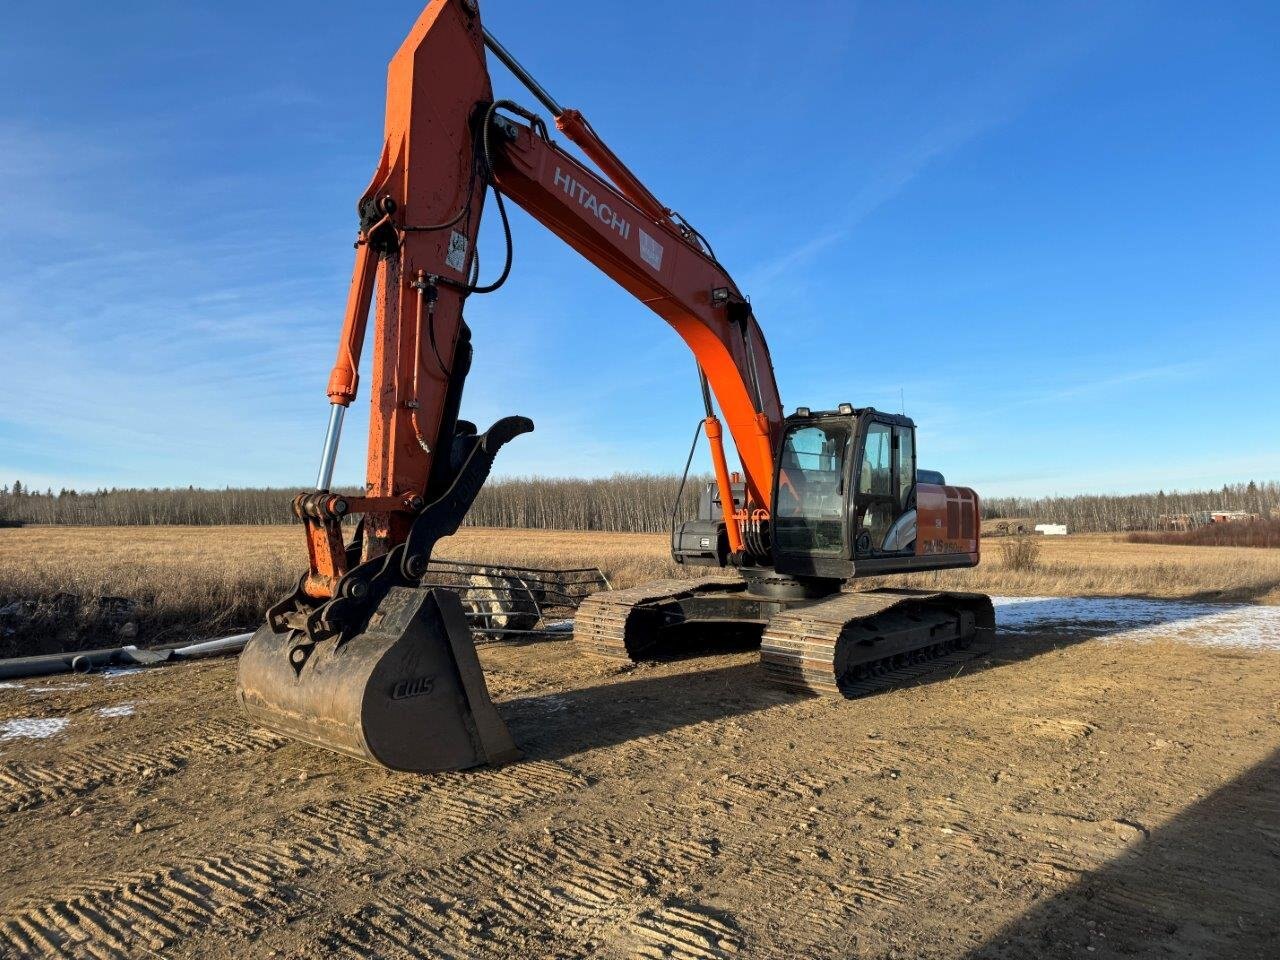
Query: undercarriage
(816,635)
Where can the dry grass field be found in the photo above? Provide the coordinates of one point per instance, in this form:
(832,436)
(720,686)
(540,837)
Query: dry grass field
(194,581)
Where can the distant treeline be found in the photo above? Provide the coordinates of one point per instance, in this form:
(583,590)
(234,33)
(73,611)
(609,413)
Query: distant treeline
(638,503)
(624,502)
(1137,511)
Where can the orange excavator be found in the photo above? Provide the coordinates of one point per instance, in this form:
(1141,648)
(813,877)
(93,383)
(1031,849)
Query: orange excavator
(365,659)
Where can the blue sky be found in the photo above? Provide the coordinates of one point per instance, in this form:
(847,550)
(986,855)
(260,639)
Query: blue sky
(1051,228)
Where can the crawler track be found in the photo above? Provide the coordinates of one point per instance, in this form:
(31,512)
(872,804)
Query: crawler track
(625,624)
(858,642)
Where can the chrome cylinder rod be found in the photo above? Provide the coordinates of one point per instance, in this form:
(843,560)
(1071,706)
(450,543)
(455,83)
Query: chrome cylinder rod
(330,455)
(523,75)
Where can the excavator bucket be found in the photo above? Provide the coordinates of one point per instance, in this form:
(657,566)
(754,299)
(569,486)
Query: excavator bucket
(405,693)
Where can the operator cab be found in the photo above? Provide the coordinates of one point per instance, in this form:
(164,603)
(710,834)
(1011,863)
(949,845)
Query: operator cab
(844,492)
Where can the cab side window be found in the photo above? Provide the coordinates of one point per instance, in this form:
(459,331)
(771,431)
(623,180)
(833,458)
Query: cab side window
(876,476)
(906,464)
(876,493)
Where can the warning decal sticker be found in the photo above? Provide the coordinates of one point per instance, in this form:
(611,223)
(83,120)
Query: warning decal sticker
(650,250)
(457,256)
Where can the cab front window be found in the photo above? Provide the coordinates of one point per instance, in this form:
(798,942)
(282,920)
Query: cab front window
(809,513)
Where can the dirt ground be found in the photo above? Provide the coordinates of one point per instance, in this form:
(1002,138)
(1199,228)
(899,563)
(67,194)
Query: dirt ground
(1057,797)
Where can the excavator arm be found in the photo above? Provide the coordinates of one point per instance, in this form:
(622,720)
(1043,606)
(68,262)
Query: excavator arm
(357,655)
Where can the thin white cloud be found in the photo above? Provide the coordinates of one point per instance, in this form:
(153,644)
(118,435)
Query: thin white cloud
(961,113)
(1094,387)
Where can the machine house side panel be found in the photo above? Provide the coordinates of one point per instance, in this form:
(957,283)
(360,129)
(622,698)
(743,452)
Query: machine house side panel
(946,521)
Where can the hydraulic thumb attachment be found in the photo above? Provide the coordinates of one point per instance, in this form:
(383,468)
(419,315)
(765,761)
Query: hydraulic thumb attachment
(384,670)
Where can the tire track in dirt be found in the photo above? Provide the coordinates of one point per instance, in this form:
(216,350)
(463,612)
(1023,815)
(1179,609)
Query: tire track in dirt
(816,888)
(250,885)
(814,910)
(831,892)
(1156,898)
(588,887)
(26,785)
(818,914)
(572,887)
(1059,848)
(826,884)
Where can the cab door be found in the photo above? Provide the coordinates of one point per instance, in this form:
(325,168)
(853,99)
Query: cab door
(885,484)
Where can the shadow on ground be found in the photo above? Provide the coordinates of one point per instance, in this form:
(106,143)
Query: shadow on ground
(561,724)
(1248,593)
(1206,885)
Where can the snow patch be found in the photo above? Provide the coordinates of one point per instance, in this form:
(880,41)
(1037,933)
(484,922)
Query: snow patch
(112,672)
(1128,619)
(6,685)
(31,728)
(120,710)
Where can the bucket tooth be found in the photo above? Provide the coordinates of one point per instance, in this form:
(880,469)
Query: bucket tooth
(406,693)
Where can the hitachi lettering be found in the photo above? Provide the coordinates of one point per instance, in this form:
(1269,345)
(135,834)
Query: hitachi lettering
(589,202)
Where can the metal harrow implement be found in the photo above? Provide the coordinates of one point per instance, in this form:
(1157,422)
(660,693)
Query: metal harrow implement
(504,601)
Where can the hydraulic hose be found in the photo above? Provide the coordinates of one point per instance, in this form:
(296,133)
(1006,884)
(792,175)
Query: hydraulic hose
(675,504)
